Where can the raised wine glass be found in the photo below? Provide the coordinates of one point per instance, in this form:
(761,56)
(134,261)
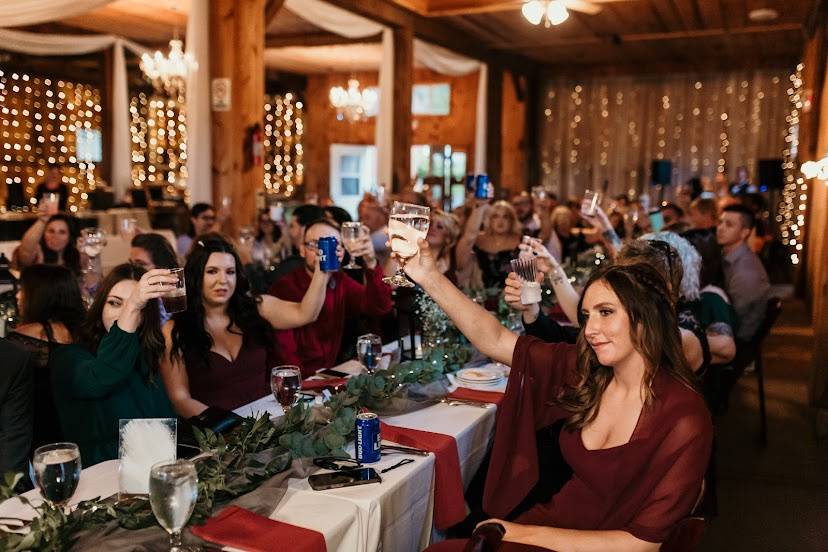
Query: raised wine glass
(369,351)
(173,492)
(407,224)
(351,232)
(285,383)
(57,469)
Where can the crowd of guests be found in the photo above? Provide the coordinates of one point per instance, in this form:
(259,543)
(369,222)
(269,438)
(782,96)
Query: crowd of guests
(617,362)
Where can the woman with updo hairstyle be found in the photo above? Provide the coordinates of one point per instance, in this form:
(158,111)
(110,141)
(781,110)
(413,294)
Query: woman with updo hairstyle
(637,434)
(490,239)
(52,239)
(219,350)
(111,373)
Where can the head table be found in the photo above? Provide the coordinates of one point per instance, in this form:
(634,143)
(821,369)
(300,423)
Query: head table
(395,515)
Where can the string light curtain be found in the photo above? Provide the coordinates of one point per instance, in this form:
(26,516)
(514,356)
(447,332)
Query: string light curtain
(39,119)
(601,128)
(159,143)
(284,129)
(792,208)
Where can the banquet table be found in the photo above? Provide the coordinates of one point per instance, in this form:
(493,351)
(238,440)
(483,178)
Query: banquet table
(395,515)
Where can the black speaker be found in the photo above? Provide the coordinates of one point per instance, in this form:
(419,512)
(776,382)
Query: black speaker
(770,173)
(662,172)
(14,195)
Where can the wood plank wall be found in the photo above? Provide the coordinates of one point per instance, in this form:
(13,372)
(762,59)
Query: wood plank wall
(322,129)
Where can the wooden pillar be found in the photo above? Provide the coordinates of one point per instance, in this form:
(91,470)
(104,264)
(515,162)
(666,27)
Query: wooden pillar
(494,125)
(403,81)
(237,53)
(532,124)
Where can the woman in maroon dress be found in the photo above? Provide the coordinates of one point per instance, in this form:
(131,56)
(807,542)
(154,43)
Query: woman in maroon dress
(220,350)
(637,434)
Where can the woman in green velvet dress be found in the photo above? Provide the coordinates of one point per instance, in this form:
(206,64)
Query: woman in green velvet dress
(112,373)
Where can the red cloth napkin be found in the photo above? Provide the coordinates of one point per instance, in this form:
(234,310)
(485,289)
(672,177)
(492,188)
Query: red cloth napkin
(245,530)
(324,383)
(449,503)
(465,393)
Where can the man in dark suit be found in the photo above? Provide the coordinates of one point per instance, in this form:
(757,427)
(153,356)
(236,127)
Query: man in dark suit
(16,414)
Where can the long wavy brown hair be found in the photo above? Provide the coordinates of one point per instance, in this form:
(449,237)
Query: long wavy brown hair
(654,332)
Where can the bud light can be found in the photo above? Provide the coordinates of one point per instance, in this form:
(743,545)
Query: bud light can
(483,188)
(328,261)
(367,438)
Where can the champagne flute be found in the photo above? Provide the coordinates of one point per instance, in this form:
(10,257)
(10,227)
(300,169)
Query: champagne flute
(407,224)
(285,383)
(57,469)
(369,351)
(128,228)
(173,491)
(351,232)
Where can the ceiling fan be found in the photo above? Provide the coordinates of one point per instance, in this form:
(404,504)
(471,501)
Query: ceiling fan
(555,12)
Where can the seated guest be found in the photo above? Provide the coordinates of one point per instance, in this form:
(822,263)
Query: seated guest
(317,345)
(373,215)
(524,209)
(443,233)
(673,216)
(564,241)
(151,251)
(268,246)
(16,408)
(112,373)
(637,433)
(337,214)
(202,221)
(299,220)
(746,281)
(704,217)
(53,185)
(493,247)
(219,350)
(742,185)
(52,239)
(51,313)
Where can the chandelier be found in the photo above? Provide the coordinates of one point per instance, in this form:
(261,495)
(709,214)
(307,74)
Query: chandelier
(169,72)
(551,12)
(353,104)
(816,169)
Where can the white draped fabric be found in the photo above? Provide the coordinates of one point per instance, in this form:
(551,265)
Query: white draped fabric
(480,127)
(39,44)
(15,13)
(199,126)
(350,25)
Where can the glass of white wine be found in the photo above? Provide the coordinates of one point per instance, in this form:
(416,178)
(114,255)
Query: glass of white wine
(407,224)
(173,491)
(57,469)
(351,232)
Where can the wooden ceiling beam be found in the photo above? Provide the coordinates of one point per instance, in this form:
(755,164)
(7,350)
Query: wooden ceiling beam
(441,8)
(437,32)
(651,37)
(316,39)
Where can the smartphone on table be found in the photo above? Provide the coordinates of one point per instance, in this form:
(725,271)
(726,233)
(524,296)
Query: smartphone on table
(345,478)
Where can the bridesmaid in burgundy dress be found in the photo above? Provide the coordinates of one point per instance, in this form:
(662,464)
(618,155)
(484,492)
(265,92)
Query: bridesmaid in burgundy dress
(220,350)
(637,433)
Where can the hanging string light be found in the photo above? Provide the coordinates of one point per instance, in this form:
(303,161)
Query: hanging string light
(40,120)
(284,169)
(791,212)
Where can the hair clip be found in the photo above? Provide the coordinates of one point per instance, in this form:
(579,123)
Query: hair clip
(201,243)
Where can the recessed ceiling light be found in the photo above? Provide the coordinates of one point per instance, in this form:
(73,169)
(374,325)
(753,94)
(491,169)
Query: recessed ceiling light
(762,15)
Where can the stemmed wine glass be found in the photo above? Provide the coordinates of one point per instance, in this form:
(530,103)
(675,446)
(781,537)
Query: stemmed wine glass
(94,240)
(57,469)
(285,383)
(351,232)
(407,224)
(369,351)
(173,492)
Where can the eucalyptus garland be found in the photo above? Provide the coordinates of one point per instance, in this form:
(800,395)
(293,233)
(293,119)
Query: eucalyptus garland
(236,463)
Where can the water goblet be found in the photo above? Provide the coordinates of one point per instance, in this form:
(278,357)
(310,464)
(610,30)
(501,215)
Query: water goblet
(285,383)
(351,232)
(173,492)
(407,224)
(369,351)
(57,469)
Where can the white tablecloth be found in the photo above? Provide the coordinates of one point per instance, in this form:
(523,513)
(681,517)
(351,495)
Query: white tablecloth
(394,516)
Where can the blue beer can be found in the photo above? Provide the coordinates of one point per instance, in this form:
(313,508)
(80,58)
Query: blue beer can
(328,261)
(483,188)
(367,438)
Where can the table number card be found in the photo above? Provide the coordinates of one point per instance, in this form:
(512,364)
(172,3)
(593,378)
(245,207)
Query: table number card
(143,442)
